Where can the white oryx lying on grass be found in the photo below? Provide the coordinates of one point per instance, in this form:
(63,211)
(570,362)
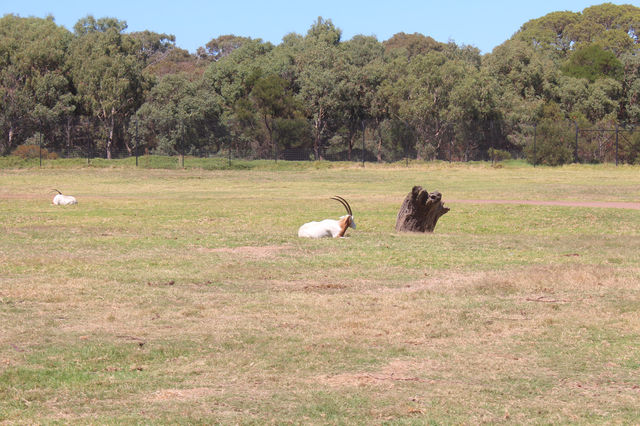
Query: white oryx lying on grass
(63,200)
(329,227)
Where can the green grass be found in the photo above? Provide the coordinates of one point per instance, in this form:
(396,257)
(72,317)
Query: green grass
(167,162)
(184,296)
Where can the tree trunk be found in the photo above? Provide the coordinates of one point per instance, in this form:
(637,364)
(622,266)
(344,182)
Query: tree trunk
(318,128)
(420,211)
(68,135)
(316,139)
(112,124)
(126,139)
(10,142)
(352,135)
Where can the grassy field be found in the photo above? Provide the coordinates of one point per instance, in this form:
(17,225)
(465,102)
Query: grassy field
(184,296)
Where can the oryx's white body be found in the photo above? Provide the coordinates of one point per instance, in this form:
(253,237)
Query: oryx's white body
(329,228)
(325,228)
(63,200)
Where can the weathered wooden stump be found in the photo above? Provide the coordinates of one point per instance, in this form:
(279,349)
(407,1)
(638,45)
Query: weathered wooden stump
(420,211)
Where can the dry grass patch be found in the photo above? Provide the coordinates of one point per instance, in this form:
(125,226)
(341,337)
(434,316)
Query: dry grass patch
(517,341)
(182,394)
(398,370)
(254,252)
(479,343)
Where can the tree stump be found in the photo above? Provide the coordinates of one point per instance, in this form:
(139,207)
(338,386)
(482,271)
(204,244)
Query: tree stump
(420,211)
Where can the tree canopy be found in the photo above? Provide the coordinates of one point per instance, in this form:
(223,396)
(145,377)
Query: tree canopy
(409,94)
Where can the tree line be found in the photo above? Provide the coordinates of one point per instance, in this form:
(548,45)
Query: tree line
(320,93)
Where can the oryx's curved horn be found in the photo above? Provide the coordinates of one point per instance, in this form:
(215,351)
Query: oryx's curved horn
(344,203)
(57,191)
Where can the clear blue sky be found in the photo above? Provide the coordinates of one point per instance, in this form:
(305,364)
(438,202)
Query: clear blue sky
(484,24)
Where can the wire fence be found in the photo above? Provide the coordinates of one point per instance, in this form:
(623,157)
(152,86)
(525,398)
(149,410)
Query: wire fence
(394,141)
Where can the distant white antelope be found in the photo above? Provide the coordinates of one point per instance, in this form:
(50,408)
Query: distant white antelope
(63,200)
(329,227)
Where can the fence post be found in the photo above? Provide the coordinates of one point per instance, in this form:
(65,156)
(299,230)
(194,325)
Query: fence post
(575,151)
(41,149)
(535,132)
(229,151)
(617,129)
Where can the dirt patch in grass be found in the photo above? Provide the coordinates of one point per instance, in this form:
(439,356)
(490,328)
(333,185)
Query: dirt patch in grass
(249,251)
(181,394)
(324,286)
(589,204)
(397,370)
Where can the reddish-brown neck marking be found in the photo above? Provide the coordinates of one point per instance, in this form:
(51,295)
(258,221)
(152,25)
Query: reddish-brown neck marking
(344,224)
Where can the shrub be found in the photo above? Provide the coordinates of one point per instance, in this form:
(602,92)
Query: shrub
(554,139)
(630,147)
(553,144)
(498,155)
(33,151)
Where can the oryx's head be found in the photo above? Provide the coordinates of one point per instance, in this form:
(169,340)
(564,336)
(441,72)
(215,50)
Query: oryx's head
(349,216)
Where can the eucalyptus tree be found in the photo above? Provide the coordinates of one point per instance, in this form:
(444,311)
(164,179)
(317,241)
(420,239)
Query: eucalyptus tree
(35,92)
(526,77)
(389,110)
(593,62)
(564,66)
(554,137)
(153,47)
(552,32)
(278,111)
(612,27)
(107,73)
(410,45)
(175,61)
(363,74)
(160,55)
(221,47)
(474,113)
(282,60)
(378,103)
(602,74)
(527,74)
(320,69)
(231,79)
(279,119)
(591,101)
(630,104)
(420,91)
(586,46)
(181,117)
(16,103)
(438,91)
